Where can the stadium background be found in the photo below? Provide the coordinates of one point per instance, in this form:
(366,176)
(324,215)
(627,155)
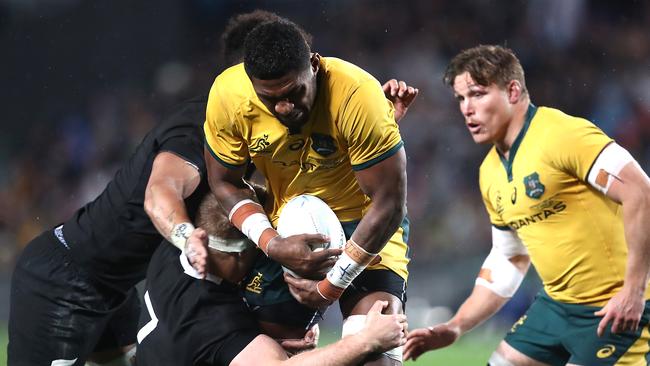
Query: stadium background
(83,81)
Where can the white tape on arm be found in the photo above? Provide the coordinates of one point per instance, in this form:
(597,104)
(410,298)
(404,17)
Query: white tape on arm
(349,265)
(607,166)
(249,217)
(497,272)
(180,233)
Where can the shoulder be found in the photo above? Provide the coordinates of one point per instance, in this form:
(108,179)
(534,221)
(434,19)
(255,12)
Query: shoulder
(342,75)
(231,89)
(560,125)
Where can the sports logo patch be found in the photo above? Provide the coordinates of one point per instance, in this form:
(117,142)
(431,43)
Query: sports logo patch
(255,285)
(323,144)
(534,188)
(606,351)
(260,144)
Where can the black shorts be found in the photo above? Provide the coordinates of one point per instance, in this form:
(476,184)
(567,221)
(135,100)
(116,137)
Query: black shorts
(373,280)
(58,312)
(189,321)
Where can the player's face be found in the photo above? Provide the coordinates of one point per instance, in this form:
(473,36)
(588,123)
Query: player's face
(291,97)
(486,109)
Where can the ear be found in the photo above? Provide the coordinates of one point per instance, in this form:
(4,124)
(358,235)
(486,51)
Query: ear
(514,91)
(314,60)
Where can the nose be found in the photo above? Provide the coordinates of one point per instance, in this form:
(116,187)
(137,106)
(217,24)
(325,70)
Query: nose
(466,108)
(284,107)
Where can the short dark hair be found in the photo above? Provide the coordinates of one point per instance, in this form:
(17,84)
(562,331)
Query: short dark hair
(238,27)
(486,64)
(275,48)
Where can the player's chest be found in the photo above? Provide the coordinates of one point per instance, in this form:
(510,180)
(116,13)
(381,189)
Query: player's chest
(318,146)
(528,193)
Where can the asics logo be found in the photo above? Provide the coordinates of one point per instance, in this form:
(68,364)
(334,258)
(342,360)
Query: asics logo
(606,351)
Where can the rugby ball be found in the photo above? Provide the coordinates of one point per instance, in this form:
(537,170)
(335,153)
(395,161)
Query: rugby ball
(306,214)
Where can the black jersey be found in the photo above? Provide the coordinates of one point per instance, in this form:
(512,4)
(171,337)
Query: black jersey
(112,237)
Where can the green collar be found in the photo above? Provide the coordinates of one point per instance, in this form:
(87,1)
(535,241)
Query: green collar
(507,164)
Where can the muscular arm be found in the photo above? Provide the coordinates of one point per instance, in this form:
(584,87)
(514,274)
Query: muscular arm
(292,252)
(227,184)
(172,180)
(385,184)
(631,188)
(381,332)
(482,304)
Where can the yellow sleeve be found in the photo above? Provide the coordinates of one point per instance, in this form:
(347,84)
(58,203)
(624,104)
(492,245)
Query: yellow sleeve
(368,124)
(222,137)
(495,217)
(575,145)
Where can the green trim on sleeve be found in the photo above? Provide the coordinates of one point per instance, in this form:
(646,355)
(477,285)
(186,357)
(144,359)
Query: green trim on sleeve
(227,165)
(380,158)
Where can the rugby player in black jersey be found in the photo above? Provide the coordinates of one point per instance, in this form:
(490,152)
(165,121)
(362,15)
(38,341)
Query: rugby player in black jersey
(72,291)
(188,321)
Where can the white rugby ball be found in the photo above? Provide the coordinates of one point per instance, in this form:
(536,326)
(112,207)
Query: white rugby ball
(306,214)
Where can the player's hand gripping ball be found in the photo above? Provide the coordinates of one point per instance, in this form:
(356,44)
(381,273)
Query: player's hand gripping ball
(306,214)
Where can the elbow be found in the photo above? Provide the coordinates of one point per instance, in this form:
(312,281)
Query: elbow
(396,210)
(149,202)
(152,199)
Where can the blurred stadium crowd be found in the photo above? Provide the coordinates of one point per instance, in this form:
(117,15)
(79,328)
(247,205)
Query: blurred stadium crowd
(84,81)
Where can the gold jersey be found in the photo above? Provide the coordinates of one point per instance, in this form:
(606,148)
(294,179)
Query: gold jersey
(573,233)
(351,127)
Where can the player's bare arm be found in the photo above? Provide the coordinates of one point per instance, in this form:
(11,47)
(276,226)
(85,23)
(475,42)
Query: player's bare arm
(381,332)
(499,278)
(385,184)
(630,188)
(172,180)
(293,252)
(401,95)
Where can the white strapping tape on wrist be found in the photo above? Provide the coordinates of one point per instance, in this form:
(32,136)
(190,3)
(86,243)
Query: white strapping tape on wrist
(180,233)
(344,271)
(254,225)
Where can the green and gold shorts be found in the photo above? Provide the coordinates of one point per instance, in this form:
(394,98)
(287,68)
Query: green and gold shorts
(557,333)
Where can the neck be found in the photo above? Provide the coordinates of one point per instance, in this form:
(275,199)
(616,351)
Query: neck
(515,125)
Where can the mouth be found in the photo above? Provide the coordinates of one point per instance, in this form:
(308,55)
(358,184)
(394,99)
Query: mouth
(295,118)
(473,127)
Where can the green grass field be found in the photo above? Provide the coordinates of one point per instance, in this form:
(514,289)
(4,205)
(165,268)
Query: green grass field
(474,349)
(3,344)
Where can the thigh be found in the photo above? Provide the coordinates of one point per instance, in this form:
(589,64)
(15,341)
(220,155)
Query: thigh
(505,355)
(538,333)
(372,285)
(586,348)
(123,325)
(56,311)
